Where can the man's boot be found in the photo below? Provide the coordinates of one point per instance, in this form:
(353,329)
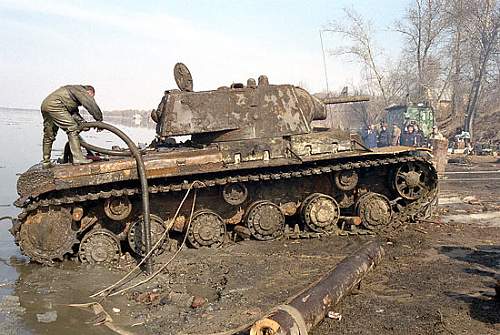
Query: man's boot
(76,151)
(46,150)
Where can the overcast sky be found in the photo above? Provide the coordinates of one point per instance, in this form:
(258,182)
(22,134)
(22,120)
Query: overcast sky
(127,49)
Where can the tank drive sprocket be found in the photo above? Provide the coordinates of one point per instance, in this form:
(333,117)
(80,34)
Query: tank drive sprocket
(100,246)
(412,180)
(47,235)
(207,230)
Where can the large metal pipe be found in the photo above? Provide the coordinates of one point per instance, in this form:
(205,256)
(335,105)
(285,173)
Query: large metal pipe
(141,172)
(311,306)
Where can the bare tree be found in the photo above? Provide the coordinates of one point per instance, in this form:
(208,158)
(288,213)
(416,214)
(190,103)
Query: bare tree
(361,46)
(423,26)
(481,24)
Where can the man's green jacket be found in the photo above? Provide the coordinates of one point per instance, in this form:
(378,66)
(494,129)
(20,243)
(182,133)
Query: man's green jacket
(72,96)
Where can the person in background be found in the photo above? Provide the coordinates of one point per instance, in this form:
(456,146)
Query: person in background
(436,134)
(419,135)
(396,134)
(370,137)
(383,136)
(408,138)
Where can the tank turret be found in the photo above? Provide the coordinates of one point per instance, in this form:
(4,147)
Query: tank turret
(237,112)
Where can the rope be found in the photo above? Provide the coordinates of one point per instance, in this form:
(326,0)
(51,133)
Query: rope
(149,278)
(157,244)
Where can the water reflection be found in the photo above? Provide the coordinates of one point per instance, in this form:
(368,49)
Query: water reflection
(39,288)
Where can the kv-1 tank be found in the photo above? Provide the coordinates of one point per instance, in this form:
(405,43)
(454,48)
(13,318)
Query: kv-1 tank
(260,169)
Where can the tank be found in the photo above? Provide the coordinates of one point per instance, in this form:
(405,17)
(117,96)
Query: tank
(260,169)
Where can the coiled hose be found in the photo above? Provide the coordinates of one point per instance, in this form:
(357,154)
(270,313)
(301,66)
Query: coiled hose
(134,151)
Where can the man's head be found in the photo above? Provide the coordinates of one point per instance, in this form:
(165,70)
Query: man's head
(410,128)
(90,90)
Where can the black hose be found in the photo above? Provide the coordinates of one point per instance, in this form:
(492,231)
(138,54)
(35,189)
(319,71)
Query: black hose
(7,218)
(109,152)
(141,172)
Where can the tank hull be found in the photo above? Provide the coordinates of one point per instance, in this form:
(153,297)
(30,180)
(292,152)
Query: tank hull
(302,192)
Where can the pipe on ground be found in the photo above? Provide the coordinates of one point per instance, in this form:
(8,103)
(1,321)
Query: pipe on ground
(141,172)
(311,306)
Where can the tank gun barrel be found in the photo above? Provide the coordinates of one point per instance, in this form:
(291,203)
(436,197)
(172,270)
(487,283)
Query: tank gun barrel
(345,99)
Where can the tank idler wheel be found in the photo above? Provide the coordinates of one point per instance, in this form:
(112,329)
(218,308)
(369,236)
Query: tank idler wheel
(374,210)
(320,212)
(117,208)
(346,180)
(207,230)
(265,220)
(100,246)
(157,231)
(412,180)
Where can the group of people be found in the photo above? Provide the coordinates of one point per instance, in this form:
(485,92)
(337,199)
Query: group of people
(410,135)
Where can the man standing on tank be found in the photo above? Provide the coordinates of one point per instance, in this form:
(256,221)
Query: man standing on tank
(60,110)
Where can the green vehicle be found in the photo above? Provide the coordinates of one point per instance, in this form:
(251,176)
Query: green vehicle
(421,114)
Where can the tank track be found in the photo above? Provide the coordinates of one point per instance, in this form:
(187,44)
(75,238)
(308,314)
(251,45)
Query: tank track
(401,213)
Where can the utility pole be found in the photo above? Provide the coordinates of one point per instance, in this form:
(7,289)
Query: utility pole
(324,60)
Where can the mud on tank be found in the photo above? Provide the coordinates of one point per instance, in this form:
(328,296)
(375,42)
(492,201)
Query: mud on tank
(264,172)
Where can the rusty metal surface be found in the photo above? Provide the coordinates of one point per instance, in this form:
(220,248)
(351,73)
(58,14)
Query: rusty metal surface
(345,99)
(311,306)
(258,159)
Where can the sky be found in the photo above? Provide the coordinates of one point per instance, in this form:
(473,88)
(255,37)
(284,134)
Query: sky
(127,49)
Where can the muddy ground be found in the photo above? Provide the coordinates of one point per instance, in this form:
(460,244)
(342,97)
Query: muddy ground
(437,278)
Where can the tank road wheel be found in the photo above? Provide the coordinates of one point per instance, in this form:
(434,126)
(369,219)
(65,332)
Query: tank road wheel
(46,236)
(235,194)
(207,230)
(117,208)
(157,230)
(412,180)
(346,180)
(374,210)
(320,212)
(99,246)
(265,220)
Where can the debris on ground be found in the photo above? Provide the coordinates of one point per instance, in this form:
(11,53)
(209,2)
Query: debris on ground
(47,317)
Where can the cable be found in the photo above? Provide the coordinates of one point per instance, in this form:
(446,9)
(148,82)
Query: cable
(149,278)
(109,288)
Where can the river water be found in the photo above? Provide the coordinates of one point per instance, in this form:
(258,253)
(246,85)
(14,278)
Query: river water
(29,289)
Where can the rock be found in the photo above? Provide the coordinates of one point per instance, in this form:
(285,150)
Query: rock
(334,315)
(471,200)
(198,302)
(47,317)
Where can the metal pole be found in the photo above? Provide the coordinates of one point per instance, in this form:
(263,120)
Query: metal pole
(324,62)
(307,309)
